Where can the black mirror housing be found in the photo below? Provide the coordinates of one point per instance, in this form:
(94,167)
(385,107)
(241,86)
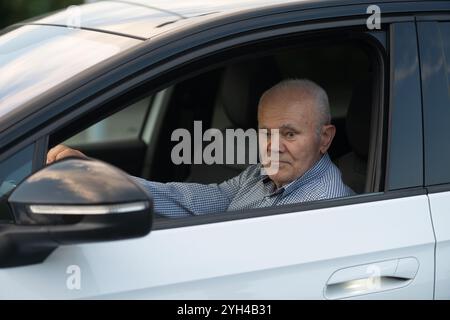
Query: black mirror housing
(70,202)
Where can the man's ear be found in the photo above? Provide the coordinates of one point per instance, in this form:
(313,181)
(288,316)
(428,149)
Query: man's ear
(326,138)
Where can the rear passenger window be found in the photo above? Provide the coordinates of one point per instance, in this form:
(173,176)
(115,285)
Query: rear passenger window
(445,35)
(434,41)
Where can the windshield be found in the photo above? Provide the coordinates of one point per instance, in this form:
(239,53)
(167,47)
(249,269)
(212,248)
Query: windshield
(35,58)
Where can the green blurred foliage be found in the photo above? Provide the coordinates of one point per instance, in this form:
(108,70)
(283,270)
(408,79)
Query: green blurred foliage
(13,11)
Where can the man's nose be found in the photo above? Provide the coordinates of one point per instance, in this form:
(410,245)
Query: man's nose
(276,145)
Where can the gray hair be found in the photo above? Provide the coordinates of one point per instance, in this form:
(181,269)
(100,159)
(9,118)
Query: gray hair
(313,90)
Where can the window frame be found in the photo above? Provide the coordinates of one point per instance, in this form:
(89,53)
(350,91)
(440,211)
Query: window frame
(160,77)
(213,218)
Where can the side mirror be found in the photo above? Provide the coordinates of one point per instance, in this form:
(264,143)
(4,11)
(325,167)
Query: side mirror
(72,201)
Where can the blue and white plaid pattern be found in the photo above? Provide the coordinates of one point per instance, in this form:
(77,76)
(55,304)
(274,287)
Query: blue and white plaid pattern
(250,189)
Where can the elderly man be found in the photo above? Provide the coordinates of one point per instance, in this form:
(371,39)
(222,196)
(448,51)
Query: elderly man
(299,109)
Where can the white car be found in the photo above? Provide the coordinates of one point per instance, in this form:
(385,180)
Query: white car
(114,79)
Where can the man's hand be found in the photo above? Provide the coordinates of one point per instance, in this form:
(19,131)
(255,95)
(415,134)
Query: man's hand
(61,151)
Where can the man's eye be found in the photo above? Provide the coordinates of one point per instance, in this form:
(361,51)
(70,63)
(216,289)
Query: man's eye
(290,135)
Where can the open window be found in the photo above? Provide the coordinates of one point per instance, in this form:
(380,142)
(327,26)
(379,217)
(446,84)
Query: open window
(134,132)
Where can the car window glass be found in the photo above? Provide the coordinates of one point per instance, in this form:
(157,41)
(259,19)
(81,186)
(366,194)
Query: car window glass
(445,35)
(121,126)
(225,98)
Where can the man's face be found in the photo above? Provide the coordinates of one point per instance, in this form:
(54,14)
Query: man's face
(299,147)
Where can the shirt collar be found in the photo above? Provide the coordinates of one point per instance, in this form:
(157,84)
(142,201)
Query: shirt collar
(313,173)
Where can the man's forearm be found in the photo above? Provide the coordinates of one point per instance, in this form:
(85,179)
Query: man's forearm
(176,199)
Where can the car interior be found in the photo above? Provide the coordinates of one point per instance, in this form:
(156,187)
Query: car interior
(137,139)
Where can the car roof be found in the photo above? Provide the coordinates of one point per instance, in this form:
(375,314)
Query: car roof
(144,19)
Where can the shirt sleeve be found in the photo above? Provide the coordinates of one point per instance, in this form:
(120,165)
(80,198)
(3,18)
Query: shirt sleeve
(178,199)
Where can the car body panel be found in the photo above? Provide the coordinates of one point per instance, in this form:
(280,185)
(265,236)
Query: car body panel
(439,205)
(145,19)
(115,17)
(282,255)
(35,58)
(286,256)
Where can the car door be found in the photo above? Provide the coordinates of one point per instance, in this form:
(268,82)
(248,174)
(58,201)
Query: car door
(434,35)
(370,246)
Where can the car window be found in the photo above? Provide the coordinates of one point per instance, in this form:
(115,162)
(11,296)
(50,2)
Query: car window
(225,96)
(435,68)
(33,59)
(12,171)
(231,103)
(124,125)
(445,34)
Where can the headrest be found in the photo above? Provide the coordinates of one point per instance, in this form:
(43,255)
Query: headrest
(358,118)
(242,86)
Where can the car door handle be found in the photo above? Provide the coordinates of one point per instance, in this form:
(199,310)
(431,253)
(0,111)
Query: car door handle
(371,278)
